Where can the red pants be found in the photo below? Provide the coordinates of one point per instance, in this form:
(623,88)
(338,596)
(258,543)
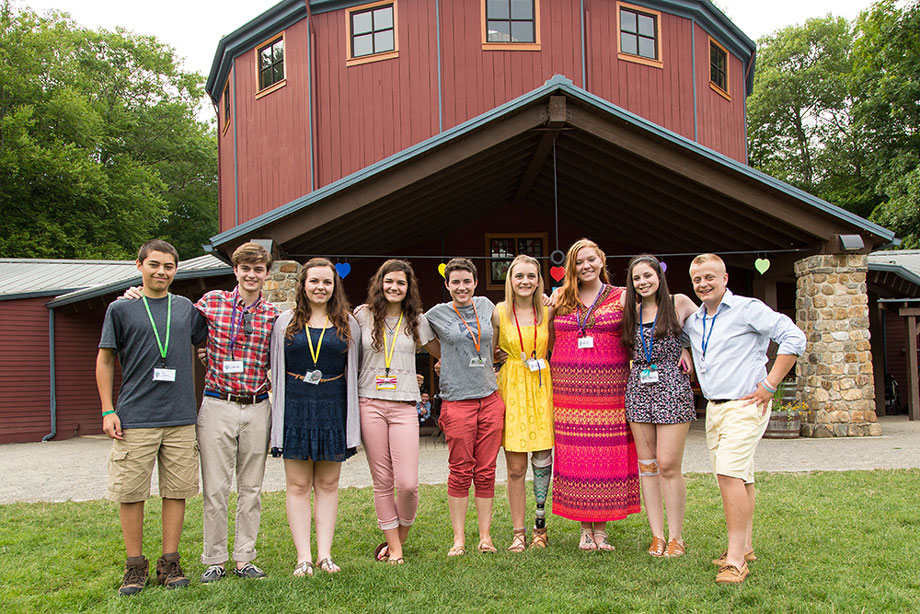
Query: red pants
(473,429)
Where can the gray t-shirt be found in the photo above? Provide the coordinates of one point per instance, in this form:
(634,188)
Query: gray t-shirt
(460,381)
(142,402)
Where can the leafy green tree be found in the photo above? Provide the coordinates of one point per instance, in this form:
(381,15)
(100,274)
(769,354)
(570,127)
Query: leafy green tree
(100,148)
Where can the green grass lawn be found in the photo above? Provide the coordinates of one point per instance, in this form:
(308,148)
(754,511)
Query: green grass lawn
(827,542)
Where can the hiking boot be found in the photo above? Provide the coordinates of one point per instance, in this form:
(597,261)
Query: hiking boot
(135,576)
(213,573)
(169,572)
(249,571)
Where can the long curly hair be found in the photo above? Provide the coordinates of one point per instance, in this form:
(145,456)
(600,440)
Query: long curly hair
(377,302)
(668,322)
(537,297)
(338,308)
(568,299)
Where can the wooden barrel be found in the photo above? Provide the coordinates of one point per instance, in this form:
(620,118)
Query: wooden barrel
(783,425)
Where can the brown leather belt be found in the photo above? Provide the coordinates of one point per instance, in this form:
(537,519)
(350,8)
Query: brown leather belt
(249,399)
(322,381)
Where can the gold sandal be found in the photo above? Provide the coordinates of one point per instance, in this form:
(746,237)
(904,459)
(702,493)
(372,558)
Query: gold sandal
(486,548)
(539,539)
(603,544)
(456,551)
(304,568)
(519,541)
(657,548)
(676,548)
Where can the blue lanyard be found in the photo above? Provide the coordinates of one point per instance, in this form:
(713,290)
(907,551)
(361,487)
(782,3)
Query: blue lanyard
(237,324)
(583,326)
(648,350)
(704,341)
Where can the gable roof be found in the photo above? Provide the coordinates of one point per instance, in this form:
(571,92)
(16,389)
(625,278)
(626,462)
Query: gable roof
(33,277)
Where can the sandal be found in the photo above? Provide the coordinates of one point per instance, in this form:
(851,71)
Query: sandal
(382,552)
(587,541)
(304,568)
(602,544)
(486,548)
(539,539)
(329,566)
(658,547)
(456,551)
(398,561)
(519,541)
(676,548)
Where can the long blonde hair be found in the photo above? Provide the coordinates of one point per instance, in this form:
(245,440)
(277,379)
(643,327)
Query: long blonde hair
(568,296)
(537,297)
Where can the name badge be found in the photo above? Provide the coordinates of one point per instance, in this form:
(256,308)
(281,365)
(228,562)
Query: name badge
(536,364)
(233,366)
(313,377)
(585,343)
(648,376)
(477,362)
(385,383)
(164,375)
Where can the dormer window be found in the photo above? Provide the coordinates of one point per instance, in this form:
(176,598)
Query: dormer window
(270,71)
(718,68)
(372,32)
(639,39)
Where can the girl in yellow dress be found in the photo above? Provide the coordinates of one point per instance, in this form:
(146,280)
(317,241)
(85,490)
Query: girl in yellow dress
(521,325)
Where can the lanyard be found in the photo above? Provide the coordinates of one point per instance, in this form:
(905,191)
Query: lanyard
(521,337)
(164,347)
(704,340)
(477,340)
(319,346)
(648,351)
(583,326)
(388,355)
(236,326)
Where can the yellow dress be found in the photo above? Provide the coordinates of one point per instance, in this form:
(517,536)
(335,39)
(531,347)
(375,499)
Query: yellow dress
(528,395)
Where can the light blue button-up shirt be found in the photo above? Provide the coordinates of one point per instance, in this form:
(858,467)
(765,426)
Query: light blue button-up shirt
(736,352)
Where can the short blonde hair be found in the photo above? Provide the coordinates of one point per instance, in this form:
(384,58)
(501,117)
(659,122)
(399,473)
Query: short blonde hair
(704,258)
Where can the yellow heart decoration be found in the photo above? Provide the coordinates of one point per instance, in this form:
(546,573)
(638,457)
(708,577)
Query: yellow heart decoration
(762,265)
(441,268)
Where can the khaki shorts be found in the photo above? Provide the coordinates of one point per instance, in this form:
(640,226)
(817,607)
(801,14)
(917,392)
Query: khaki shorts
(733,430)
(175,451)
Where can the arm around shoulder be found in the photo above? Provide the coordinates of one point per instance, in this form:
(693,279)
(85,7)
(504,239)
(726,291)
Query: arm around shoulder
(684,306)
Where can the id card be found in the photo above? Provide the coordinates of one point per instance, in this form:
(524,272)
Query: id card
(385,383)
(648,376)
(164,375)
(585,343)
(313,377)
(477,362)
(536,364)
(233,366)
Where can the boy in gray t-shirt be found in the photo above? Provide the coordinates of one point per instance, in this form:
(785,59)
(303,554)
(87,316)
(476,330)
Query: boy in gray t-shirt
(155,418)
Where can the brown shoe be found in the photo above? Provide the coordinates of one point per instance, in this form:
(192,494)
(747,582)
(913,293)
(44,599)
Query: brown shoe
(749,557)
(539,539)
(169,572)
(675,549)
(136,569)
(657,547)
(729,574)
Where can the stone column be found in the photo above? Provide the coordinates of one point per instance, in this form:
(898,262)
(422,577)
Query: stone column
(281,284)
(835,373)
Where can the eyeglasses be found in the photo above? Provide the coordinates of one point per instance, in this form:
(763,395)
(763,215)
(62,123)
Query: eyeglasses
(247,323)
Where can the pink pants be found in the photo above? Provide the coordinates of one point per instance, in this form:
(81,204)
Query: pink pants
(389,432)
(473,429)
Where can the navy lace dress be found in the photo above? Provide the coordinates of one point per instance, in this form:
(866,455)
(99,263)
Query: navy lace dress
(314,415)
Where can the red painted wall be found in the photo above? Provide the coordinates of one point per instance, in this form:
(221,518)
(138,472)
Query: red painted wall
(225,169)
(720,123)
(25,371)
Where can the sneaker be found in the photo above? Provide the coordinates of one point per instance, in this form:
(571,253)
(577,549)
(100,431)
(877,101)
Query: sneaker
(249,571)
(213,573)
(169,572)
(136,568)
(729,574)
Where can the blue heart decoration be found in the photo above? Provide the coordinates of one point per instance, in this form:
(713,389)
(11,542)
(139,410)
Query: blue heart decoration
(343,268)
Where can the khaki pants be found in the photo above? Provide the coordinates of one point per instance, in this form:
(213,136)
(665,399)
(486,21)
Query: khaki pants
(232,436)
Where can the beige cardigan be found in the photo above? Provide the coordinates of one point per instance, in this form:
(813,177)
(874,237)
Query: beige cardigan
(352,417)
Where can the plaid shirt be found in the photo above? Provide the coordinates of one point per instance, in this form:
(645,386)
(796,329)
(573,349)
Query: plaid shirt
(253,349)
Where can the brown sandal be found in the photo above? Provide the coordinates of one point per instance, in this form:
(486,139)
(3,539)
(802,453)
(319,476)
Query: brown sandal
(539,539)
(676,548)
(658,547)
(519,541)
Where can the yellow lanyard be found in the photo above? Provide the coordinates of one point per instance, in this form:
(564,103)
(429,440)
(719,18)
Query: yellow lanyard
(319,346)
(388,355)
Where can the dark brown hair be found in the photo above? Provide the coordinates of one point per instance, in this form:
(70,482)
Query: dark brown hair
(568,296)
(668,322)
(338,308)
(157,245)
(460,264)
(377,301)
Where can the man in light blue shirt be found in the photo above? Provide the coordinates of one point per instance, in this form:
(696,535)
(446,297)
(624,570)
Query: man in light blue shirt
(729,336)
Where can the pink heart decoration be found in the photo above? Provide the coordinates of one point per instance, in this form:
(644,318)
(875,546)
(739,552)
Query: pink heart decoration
(557,273)
(343,268)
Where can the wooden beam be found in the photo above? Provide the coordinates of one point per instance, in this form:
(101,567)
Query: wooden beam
(765,290)
(909,311)
(557,116)
(913,387)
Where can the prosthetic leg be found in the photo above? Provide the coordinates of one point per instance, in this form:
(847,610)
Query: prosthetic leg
(542,464)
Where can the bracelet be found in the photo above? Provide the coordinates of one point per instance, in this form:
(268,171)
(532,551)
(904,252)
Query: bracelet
(106,413)
(767,386)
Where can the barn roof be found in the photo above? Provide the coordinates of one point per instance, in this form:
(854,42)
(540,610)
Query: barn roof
(895,274)
(30,277)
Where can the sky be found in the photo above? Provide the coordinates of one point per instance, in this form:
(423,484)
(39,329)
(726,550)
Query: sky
(194,27)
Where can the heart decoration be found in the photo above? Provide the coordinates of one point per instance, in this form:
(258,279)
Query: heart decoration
(557,273)
(762,265)
(343,268)
(664,266)
(441,268)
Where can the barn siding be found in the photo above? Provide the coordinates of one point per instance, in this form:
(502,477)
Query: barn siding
(226,174)
(25,371)
(720,121)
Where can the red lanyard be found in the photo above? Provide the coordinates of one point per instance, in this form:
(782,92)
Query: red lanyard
(477,340)
(521,337)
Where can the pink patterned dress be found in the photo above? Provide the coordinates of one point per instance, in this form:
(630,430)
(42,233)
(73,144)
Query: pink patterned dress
(595,473)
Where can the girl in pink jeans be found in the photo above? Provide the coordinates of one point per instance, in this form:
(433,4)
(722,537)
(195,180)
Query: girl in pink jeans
(392,326)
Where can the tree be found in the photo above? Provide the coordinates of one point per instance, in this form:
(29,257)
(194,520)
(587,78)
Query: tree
(100,148)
